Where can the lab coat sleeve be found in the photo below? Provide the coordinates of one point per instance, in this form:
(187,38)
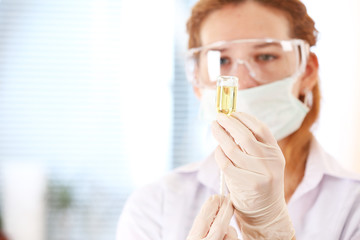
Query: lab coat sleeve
(351,229)
(356,235)
(141,218)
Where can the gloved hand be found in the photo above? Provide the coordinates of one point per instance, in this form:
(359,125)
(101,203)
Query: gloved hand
(212,222)
(253,165)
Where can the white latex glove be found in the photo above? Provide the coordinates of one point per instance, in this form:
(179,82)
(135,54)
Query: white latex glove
(212,222)
(253,165)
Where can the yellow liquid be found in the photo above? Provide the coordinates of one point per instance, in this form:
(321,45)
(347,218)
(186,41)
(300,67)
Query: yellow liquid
(226,99)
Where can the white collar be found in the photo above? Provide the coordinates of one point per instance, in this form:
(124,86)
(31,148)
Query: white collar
(319,164)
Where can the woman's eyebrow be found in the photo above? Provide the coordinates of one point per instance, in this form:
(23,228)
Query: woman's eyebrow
(268,44)
(217,49)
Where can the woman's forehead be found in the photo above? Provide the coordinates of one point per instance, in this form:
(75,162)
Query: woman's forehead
(242,21)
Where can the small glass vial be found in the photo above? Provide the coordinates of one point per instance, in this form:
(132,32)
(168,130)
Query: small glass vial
(226,94)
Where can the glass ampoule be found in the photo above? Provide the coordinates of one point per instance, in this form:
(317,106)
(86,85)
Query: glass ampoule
(226,94)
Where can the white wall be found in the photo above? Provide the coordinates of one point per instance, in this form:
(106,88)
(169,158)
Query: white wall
(338,51)
(85,88)
(24,205)
(356,134)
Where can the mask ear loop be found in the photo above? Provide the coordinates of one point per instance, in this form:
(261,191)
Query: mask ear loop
(308,98)
(308,95)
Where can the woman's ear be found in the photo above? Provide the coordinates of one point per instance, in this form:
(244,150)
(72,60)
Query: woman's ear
(197,92)
(310,76)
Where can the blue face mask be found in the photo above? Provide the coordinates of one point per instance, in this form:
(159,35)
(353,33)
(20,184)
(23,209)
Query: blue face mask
(273,104)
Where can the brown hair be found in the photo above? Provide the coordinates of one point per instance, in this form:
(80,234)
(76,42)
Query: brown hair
(302,27)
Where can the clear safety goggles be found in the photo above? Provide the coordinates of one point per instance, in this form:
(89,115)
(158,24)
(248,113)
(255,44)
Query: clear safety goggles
(263,60)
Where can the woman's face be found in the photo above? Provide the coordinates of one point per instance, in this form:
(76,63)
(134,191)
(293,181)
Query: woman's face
(247,20)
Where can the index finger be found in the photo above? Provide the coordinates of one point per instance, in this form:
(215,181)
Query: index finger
(261,132)
(204,219)
(221,223)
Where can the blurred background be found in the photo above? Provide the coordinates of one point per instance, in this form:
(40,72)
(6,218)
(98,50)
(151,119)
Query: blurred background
(94,103)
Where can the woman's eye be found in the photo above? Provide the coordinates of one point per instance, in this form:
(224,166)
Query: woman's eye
(224,60)
(266,57)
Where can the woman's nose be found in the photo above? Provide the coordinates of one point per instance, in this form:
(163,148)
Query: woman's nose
(245,75)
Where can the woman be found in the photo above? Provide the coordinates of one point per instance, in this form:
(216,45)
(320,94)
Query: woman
(265,43)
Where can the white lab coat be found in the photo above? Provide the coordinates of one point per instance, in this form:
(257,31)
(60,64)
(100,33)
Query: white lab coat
(326,204)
